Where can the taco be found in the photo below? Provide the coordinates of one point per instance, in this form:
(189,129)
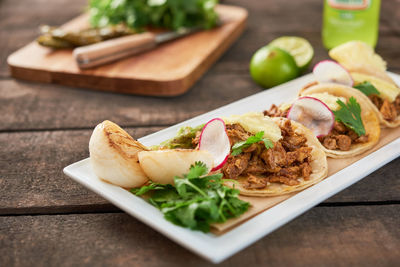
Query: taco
(343,141)
(368,70)
(385,101)
(282,157)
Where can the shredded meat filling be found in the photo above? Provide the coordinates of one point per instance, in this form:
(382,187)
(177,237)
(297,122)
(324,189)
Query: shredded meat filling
(397,104)
(255,182)
(285,163)
(274,158)
(236,165)
(389,110)
(274,111)
(341,138)
(236,133)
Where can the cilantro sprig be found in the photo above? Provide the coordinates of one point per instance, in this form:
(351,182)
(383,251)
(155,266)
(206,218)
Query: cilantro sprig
(238,147)
(196,200)
(350,115)
(367,88)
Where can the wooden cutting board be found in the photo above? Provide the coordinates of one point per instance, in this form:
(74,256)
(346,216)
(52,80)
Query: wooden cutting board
(168,70)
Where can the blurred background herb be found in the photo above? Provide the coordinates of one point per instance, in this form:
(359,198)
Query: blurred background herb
(170,14)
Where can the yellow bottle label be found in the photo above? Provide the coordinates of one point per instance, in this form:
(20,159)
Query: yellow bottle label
(349,4)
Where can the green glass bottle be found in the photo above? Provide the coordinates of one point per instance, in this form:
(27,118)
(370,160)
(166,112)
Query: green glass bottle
(346,20)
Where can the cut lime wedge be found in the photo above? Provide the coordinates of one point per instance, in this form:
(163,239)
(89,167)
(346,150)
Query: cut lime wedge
(298,47)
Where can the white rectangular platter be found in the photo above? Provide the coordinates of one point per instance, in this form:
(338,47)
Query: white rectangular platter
(218,248)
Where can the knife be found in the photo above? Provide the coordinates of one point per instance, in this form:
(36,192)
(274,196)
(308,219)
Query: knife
(111,50)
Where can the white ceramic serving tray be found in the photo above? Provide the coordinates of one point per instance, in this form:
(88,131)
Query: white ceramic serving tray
(218,248)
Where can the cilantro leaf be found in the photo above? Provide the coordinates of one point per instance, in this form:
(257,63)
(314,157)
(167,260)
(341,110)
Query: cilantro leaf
(350,115)
(268,143)
(146,188)
(196,200)
(367,88)
(238,147)
(197,170)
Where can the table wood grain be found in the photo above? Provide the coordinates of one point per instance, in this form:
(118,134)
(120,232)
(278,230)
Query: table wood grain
(46,219)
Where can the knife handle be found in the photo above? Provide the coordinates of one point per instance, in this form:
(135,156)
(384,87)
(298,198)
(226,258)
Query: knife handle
(111,50)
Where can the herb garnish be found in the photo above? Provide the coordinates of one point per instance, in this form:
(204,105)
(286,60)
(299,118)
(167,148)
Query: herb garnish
(169,14)
(350,115)
(239,146)
(367,88)
(196,200)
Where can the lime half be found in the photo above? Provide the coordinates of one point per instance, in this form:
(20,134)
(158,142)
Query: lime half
(298,47)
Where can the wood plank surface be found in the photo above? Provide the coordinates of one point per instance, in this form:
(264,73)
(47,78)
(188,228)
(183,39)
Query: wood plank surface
(56,107)
(324,236)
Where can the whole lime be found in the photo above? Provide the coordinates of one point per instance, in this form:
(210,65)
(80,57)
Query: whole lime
(271,66)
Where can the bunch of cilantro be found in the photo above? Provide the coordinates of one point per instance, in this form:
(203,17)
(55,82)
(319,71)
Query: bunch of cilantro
(169,14)
(196,200)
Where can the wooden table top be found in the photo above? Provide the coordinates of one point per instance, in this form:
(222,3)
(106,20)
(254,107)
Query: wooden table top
(46,219)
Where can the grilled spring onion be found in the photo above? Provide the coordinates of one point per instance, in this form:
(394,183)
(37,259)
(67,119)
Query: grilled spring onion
(58,38)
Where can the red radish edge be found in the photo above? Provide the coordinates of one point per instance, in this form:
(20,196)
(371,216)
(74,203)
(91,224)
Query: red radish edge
(310,97)
(332,61)
(219,166)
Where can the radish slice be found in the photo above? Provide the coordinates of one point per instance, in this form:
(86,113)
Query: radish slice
(313,114)
(328,71)
(214,139)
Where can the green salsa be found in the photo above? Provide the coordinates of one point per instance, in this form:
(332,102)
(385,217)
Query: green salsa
(183,138)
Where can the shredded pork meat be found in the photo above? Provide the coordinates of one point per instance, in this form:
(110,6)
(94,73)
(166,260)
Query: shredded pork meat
(285,163)
(389,110)
(341,138)
(274,111)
